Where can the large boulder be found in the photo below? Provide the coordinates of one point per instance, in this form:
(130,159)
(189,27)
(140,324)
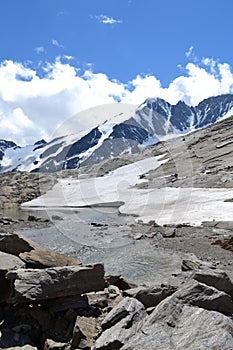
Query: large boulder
(50,283)
(207,297)
(183,320)
(120,324)
(7,262)
(34,255)
(191,328)
(128,307)
(216,278)
(41,258)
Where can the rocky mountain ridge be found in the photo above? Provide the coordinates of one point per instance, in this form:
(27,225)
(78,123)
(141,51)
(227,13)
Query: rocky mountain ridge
(152,121)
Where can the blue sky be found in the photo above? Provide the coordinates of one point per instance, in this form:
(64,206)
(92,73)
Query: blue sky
(151,38)
(105,51)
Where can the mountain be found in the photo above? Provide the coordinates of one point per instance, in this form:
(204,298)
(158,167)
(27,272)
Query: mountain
(4,145)
(161,118)
(152,121)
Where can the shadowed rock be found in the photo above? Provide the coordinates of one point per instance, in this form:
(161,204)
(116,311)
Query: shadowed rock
(7,262)
(120,324)
(15,244)
(150,296)
(216,278)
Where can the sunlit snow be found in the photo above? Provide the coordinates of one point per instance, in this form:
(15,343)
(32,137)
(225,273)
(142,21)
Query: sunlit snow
(164,205)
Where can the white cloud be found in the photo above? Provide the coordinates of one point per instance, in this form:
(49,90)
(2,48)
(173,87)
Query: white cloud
(108,20)
(56,43)
(39,49)
(32,106)
(189,53)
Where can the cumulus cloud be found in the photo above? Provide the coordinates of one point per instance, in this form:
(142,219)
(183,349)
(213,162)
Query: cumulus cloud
(108,20)
(33,105)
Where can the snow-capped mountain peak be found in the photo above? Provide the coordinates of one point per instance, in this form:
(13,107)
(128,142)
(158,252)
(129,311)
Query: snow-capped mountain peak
(125,131)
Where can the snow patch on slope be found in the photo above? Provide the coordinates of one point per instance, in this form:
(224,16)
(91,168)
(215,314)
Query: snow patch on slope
(164,205)
(117,186)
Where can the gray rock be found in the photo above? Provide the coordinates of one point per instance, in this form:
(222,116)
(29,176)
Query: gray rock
(150,296)
(99,299)
(216,278)
(10,262)
(43,284)
(127,307)
(183,321)
(195,329)
(124,321)
(207,297)
(7,262)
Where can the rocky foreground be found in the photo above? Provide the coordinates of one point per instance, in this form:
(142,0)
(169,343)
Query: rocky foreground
(50,301)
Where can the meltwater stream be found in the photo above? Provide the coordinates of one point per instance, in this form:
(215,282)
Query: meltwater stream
(102,235)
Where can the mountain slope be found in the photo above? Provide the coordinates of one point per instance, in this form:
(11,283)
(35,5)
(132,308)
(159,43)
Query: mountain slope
(4,145)
(161,118)
(152,121)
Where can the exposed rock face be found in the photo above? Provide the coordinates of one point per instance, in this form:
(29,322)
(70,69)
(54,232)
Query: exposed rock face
(50,283)
(128,308)
(199,159)
(195,328)
(120,324)
(207,297)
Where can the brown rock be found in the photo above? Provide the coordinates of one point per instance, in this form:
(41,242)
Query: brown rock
(43,317)
(119,282)
(86,330)
(41,258)
(15,244)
